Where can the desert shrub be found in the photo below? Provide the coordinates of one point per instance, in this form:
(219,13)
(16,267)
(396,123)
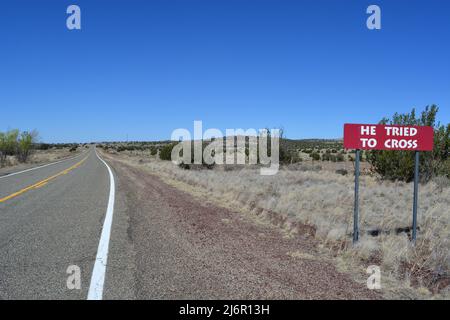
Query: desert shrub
(153,150)
(444,169)
(339,157)
(315,156)
(289,156)
(8,144)
(353,157)
(329,157)
(43,146)
(2,153)
(343,172)
(166,152)
(73,149)
(399,165)
(24,145)
(284,155)
(184,166)
(18,144)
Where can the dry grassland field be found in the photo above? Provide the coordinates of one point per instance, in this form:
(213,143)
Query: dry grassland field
(315,196)
(39,157)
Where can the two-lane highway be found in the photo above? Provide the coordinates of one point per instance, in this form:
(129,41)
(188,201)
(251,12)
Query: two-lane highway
(51,218)
(133,236)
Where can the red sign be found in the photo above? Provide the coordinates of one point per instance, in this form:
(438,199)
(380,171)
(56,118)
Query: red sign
(388,137)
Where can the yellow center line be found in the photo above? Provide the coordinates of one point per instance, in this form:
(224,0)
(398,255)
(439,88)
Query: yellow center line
(42,182)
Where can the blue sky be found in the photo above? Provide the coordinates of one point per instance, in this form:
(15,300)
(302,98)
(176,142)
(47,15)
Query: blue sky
(145,68)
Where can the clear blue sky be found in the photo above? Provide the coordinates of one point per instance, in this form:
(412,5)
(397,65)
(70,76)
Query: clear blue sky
(145,68)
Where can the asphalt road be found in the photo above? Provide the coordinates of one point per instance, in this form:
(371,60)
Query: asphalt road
(132,236)
(51,218)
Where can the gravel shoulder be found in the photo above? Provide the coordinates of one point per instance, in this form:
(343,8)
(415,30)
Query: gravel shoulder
(181,247)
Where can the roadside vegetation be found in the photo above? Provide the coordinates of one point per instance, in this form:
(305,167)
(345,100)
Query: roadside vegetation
(398,165)
(17,144)
(291,151)
(20,146)
(317,191)
(323,201)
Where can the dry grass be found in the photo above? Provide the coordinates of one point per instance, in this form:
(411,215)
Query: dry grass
(38,157)
(324,200)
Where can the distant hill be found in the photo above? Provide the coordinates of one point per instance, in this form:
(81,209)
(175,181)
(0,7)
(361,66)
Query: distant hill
(302,144)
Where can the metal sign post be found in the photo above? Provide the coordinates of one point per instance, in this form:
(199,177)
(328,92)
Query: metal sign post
(356,205)
(387,137)
(416,194)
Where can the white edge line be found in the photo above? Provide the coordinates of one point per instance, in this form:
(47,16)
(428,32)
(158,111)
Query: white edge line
(43,166)
(98,274)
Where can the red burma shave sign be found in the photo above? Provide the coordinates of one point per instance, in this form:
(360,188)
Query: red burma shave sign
(388,137)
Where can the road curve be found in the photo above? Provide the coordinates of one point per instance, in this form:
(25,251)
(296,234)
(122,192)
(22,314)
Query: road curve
(132,236)
(51,218)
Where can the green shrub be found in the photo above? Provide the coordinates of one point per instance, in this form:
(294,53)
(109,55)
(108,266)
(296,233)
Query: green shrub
(288,156)
(8,144)
(43,146)
(399,165)
(16,143)
(315,156)
(166,152)
(24,145)
(444,169)
(153,150)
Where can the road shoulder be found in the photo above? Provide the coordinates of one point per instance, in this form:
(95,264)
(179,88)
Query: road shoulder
(186,248)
